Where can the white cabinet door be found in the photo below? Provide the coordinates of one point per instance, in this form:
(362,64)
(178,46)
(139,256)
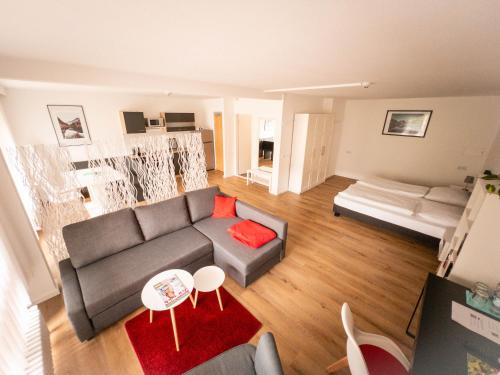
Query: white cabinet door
(310,150)
(309,154)
(324,151)
(319,126)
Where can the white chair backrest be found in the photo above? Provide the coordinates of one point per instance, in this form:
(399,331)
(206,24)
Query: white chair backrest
(357,363)
(356,337)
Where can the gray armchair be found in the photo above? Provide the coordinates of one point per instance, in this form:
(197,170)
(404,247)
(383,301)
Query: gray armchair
(244,359)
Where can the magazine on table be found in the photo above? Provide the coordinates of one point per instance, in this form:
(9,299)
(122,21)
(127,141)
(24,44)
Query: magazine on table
(171,290)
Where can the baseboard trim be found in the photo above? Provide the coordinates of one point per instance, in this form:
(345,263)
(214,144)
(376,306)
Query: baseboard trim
(46,297)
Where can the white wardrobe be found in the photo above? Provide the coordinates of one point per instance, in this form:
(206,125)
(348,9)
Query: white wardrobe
(309,160)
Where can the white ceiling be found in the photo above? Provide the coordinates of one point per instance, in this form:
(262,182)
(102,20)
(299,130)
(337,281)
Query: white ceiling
(406,48)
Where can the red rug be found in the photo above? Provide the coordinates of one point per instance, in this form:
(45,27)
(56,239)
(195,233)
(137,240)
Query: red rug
(203,333)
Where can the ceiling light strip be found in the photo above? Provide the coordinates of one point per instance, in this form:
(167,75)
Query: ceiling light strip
(334,86)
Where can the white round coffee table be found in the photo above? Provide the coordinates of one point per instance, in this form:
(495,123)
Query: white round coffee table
(208,279)
(154,302)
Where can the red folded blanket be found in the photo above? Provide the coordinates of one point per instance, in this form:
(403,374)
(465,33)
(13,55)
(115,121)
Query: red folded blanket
(251,233)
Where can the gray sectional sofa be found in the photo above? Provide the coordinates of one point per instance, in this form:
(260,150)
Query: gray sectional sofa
(112,256)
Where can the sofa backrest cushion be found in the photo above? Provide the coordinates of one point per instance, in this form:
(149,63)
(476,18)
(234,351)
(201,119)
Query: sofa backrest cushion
(201,202)
(163,217)
(101,236)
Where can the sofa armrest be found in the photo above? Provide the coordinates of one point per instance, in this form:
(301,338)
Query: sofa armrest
(248,212)
(267,360)
(73,300)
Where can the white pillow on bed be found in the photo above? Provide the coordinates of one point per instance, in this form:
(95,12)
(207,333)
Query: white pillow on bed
(448,195)
(439,213)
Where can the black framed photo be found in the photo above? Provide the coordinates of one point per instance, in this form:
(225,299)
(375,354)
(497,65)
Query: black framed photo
(69,125)
(404,123)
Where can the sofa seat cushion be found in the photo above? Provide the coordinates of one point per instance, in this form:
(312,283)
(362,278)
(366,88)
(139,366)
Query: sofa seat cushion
(90,240)
(163,217)
(112,279)
(246,260)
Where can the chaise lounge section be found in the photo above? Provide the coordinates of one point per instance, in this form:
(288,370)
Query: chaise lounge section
(112,256)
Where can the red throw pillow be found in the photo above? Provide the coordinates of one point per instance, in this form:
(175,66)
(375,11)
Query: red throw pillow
(224,207)
(251,233)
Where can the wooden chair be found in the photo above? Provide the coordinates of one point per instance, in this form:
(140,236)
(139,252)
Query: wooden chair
(369,354)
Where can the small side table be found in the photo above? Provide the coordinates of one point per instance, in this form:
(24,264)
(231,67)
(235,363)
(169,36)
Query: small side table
(153,301)
(208,279)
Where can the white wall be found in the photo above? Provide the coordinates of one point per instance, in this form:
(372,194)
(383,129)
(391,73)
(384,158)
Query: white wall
(337,106)
(208,108)
(229,137)
(17,233)
(459,137)
(259,109)
(244,143)
(493,160)
(26,110)
(292,103)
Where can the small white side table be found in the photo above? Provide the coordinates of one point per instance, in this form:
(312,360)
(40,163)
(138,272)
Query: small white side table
(208,279)
(153,301)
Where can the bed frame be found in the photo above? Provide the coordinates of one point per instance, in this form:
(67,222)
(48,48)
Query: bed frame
(417,236)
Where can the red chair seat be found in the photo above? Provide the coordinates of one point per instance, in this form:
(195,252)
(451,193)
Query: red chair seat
(380,362)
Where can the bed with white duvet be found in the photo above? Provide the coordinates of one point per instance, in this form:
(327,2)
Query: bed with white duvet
(403,207)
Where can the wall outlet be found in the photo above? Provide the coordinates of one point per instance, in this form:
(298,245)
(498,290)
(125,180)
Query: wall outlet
(462,167)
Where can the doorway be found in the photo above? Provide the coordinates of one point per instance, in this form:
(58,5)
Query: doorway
(218,139)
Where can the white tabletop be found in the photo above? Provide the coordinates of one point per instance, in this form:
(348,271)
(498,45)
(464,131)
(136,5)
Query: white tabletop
(208,278)
(91,176)
(153,301)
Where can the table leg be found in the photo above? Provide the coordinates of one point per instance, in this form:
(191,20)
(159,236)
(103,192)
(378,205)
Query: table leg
(218,297)
(195,298)
(174,326)
(150,316)
(339,365)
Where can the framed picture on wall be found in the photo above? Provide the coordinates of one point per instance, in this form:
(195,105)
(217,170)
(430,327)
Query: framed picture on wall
(69,125)
(409,123)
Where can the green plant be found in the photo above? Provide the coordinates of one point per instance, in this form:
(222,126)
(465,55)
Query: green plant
(488,175)
(490,188)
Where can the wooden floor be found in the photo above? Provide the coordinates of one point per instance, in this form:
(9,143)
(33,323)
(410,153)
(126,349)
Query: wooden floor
(265,162)
(329,261)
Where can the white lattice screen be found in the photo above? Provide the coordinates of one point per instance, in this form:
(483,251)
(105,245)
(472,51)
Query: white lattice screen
(55,187)
(49,177)
(154,166)
(193,167)
(111,187)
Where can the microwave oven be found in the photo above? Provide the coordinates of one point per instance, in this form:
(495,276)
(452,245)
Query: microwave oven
(155,122)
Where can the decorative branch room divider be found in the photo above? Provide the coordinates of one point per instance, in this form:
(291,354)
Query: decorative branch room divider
(47,175)
(153,164)
(115,171)
(193,166)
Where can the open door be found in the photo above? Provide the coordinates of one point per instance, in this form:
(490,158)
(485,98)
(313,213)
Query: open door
(218,139)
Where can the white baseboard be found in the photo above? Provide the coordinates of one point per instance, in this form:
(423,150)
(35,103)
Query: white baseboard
(46,296)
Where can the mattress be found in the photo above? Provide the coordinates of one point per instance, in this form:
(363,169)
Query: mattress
(389,201)
(384,184)
(413,222)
